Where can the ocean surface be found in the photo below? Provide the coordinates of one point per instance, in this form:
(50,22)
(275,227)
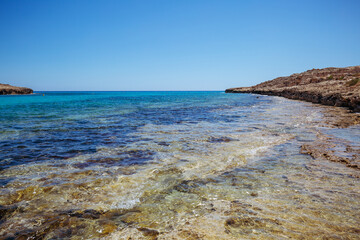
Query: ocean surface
(171,165)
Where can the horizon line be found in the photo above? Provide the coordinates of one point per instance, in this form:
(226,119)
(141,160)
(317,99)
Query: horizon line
(128,90)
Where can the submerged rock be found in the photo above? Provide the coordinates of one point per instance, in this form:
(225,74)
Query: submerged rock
(150,233)
(6,89)
(244,222)
(333,149)
(329,86)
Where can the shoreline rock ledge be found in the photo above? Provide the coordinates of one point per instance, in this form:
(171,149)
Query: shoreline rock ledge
(6,89)
(328,86)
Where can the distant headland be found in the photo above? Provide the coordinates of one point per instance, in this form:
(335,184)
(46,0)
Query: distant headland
(328,86)
(6,89)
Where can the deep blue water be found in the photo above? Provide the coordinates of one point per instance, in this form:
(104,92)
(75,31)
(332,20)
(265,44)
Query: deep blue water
(61,125)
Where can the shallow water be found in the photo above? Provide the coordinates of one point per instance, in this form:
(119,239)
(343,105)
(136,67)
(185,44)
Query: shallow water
(171,165)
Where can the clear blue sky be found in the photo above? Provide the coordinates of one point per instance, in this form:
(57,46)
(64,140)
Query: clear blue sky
(171,45)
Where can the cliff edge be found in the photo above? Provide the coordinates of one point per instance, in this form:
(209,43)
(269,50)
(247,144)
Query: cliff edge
(6,89)
(328,86)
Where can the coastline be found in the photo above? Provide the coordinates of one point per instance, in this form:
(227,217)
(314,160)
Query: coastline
(6,89)
(19,94)
(329,86)
(331,146)
(333,87)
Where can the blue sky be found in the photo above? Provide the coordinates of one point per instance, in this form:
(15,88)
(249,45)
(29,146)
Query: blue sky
(171,45)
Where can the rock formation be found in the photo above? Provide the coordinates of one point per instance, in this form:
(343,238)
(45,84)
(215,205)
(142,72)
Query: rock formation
(328,86)
(6,89)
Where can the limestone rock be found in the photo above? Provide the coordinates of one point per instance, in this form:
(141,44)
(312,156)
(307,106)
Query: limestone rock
(328,86)
(6,89)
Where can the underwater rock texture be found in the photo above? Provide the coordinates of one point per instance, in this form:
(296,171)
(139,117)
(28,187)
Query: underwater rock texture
(329,86)
(6,89)
(333,149)
(191,165)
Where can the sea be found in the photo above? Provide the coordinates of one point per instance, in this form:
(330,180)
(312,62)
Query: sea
(172,165)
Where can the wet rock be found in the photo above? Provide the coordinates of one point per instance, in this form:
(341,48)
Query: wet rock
(88,213)
(26,194)
(6,210)
(328,147)
(107,227)
(110,161)
(220,139)
(254,194)
(150,233)
(237,207)
(166,171)
(237,204)
(165,144)
(82,165)
(68,224)
(189,186)
(126,158)
(244,222)
(188,234)
(138,157)
(41,231)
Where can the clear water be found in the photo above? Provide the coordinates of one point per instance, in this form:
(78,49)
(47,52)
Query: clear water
(170,165)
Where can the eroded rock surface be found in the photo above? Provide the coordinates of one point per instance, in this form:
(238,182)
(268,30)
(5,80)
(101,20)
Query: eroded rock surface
(6,89)
(328,86)
(333,149)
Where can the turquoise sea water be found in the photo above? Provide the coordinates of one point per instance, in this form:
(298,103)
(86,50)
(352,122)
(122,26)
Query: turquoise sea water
(170,165)
(59,125)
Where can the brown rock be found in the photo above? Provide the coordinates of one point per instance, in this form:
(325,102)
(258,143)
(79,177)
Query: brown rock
(251,222)
(329,86)
(150,233)
(6,89)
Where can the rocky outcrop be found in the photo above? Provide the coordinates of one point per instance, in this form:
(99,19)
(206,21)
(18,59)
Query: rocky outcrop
(6,89)
(328,86)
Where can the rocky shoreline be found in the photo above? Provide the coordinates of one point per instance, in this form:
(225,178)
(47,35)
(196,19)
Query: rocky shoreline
(6,89)
(329,86)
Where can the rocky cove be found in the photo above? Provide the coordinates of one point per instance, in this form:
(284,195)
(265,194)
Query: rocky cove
(338,87)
